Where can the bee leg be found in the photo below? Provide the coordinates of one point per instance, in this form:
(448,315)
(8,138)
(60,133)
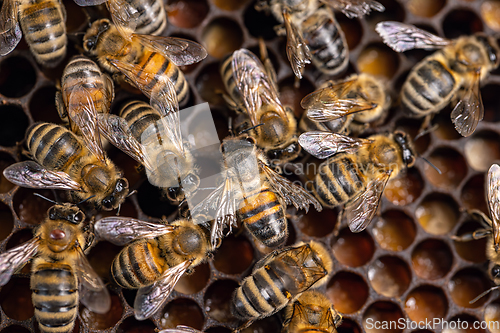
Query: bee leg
(426,124)
(231,103)
(478,234)
(61,109)
(338,225)
(480,217)
(243,326)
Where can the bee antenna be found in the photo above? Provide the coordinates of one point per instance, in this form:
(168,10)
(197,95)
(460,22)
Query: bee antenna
(251,128)
(118,211)
(432,165)
(132,193)
(49,200)
(230,126)
(85,200)
(426,131)
(484,293)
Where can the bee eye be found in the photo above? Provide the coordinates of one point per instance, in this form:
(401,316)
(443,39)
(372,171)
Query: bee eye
(89,44)
(52,213)
(495,271)
(79,217)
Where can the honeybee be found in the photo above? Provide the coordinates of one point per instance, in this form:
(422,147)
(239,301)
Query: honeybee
(156,257)
(346,106)
(43,23)
(491,228)
(63,161)
(312,32)
(452,73)
(357,171)
(147,61)
(60,274)
(253,88)
(279,278)
(85,91)
(312,311)
(254,191)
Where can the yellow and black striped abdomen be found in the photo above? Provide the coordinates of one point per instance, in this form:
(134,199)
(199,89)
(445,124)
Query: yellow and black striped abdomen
(55,297)
(53,146)
(137,265)
(43,25)
(264,216)
(339,179)
(227,74)
(139,116)
(154,65)
(152,19)
(428,88)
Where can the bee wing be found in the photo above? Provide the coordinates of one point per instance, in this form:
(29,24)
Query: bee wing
(82,112)
(115,129)
(10,30)
(330,103)
(85,3)
(291,193)
(181,51)
(93,293)
(355,8)
(32,175)
(469,110)
(493,197)
(123,230)
(180,329)
(150,298)
(324,144)
(124,16)
(403,37)
(222,205)
(360,212)
(15,258)
(254,84)
(296,49)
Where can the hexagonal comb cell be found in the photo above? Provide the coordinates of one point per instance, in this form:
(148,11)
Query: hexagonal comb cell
(182,312)
(96,321)
(352,249)
(394,230)
(17,78)
(389,276)
(13,126)
(347,291)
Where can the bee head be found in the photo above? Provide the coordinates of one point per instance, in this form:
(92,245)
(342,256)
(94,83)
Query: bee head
(190,183)
(285,154)
(92,35)
(406,145)
(491,47)
(67,212)
(116,197)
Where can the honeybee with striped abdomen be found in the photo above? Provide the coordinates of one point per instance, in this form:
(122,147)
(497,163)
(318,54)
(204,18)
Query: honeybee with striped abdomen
(43,23)
(254,191)
(357,171)
(450,74)
(346,106)
(252,88)
(61,276)
(63,161)
(312,32)
(147,61)
(85,91)
(312,311)
(156,256)
(279,279)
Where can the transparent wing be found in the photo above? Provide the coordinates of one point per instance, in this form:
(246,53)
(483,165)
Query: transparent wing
(296,49)
(324,144)
(93,293)
(150,298)
(123,230)
(181,51)
(469,111)
(82,112)
(85,3)
(360,212)
(180,329)
(254,85)
(493,197)
(15,258)
(291,193)
(354,8)
(115,129)
(331,103)
(10,30)
(221,205)
(124,16)
(135,74)
(402,37)
(32,175)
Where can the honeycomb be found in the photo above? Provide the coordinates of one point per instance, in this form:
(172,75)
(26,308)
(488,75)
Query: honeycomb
(403,266)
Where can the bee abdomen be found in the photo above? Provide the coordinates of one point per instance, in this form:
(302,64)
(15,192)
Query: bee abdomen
(53,146)
(45,31)
(135,266)
(428,88)
(259,295)
(264,216)
(55,298)
(152,19)
(139,116)
(227,74)
(338,181)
